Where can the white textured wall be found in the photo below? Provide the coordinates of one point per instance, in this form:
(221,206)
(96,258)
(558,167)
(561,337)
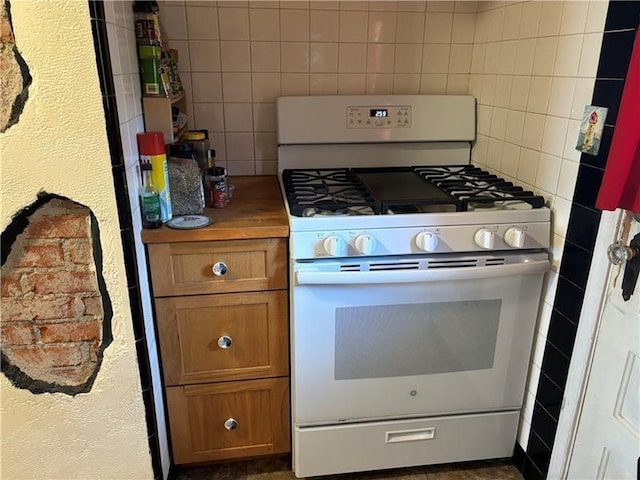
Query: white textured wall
(124,63)
(533,70)
(60,146)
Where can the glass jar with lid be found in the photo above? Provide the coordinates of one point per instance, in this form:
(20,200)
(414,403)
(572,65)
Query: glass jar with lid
(185,180)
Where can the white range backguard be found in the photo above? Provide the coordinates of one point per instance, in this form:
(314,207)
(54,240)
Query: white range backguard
(410,333)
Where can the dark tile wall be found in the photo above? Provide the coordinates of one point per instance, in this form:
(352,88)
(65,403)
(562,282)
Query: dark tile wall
(623,18)
(103,61)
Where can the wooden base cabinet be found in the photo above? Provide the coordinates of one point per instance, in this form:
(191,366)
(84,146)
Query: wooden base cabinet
(229,420)
(222,318)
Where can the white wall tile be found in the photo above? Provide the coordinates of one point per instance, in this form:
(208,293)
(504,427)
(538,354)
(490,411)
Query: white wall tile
(550,18)
(408,58)
(294,56)
(574,17)
(239,146)
(206,87)
(596,16)
(528,165)
(204,56)
(570,152)
(435,58)
(533,129)
(539,92)
(510,159)
(506,64)
(498,123)
(458,84)
(382,27)
(440,6)
(561,212)
(353,26)
(265,56)
(582,96)
(380,58)
(412,6)
(265,87)
(236,87)
(464,27)
(492,57)
(530,19)
(525,49)
(202,23)
(477,58)
(496,24)
(264,117)
(515,125)
(209,116)
(295,84)
(264,24)
(234,23)
(512,19)
(410,27)
(589,57)
(568,56)
(548,172)
(545,55)
(352,58)
(324,26)
(561,96)
(460,59)
(238,117)
(266,146)
(246,167)
(406,83)
(351,83)
(438,27)
(484,119)
(494,154)
(379,83)
(503,90)
(174,22)
(324,57)
(567,179)
(266,167)
(323,84)
(294,25)
(553,138)
(433,84)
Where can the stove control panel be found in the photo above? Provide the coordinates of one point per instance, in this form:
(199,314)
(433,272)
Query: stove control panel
(418,240)
(398,116)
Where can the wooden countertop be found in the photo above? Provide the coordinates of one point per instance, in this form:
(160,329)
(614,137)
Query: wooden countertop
(256,211)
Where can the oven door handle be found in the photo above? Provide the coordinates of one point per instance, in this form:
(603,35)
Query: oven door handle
(421,276)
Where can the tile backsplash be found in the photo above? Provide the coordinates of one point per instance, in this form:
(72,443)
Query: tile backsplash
(237,57)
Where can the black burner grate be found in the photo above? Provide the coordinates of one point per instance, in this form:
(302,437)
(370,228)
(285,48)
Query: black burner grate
(479,189)
(326,191)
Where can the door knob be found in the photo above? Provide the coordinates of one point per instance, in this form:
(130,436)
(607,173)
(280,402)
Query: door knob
(629,256)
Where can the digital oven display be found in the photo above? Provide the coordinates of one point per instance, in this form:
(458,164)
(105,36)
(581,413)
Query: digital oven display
(379,112)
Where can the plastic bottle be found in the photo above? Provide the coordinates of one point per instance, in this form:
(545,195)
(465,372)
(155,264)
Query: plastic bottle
(199,139)
(152,151)
(149,200)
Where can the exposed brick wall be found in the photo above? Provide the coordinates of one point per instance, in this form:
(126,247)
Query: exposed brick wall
(52,308)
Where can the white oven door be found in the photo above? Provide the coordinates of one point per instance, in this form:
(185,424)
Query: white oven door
(401,339)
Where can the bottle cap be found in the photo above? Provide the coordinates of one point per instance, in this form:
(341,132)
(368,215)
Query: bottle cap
(194,136)
(151,143)
(181,149)
(215,171)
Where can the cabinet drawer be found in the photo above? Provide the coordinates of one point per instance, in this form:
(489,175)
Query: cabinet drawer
(223,337)
(239,265)
(202,419)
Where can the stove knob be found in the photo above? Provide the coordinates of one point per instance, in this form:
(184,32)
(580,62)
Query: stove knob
(365,244)
(484,238)
(427,241)
(334,246)
(515,237)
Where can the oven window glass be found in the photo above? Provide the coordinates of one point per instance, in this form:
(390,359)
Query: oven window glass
(418,339)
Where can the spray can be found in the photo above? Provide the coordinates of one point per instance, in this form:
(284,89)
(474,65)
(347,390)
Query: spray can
(152,151)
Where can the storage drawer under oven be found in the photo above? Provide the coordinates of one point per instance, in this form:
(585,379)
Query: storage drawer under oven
(378,445)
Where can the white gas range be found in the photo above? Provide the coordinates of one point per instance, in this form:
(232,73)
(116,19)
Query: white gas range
(415,283)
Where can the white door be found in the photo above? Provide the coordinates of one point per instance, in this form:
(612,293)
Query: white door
(607,443)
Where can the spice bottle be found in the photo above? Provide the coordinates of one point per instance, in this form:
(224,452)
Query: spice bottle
(149,200)
(216,188)
(185,181)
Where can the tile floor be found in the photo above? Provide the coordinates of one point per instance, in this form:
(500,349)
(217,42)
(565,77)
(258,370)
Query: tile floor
(279,468)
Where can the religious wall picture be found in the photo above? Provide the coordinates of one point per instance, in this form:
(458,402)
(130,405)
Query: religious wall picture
(591,129)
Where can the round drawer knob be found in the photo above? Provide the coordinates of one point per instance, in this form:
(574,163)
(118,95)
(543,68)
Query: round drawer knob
(225,341)
(219,269)
(231,424)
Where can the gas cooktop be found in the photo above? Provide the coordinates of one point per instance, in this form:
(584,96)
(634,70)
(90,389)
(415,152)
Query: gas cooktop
(401,190)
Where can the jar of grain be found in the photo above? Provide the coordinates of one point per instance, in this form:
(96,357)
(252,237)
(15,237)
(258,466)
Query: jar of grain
(185,181)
